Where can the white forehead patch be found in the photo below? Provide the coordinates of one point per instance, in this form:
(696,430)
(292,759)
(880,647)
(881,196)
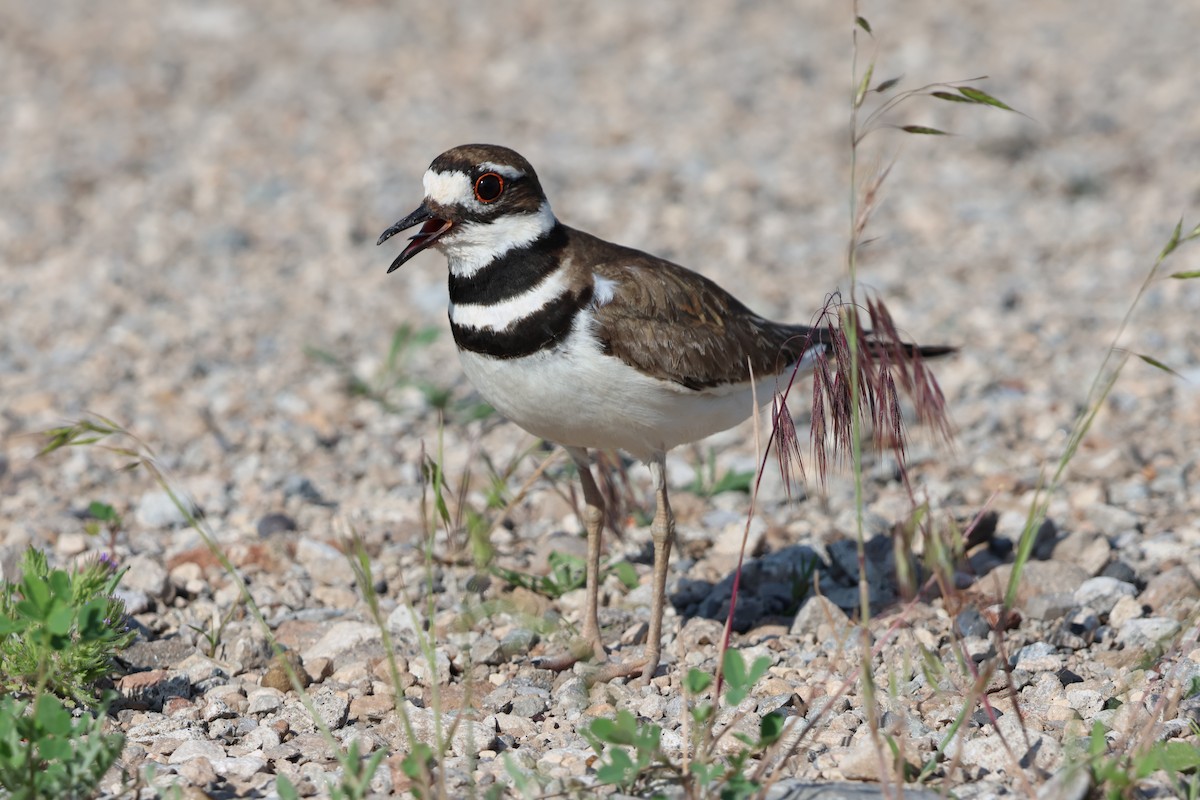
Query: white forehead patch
(448,188)
(512,173)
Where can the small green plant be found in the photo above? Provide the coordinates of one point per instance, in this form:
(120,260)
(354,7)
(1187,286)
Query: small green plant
(567,573)
(627,748)
(103,518)
(632,756)
(59,630)
(801,580)
(46,752)
(356,774)
(707,484)
(1116,774)
(468,528)
(215,631)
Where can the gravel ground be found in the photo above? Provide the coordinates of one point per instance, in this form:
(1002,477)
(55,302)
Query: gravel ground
(189,197)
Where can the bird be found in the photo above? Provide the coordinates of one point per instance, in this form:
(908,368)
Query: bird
(593,345)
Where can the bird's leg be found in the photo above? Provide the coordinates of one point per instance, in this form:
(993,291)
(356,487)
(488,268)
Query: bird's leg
(593,520)
(663,531)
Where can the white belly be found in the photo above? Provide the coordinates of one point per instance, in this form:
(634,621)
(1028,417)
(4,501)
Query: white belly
(579,397)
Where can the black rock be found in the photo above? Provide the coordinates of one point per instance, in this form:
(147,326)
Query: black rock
(1066,677)
(275,523)
(970,622)
(1121,571)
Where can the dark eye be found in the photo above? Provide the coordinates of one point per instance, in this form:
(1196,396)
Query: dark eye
(488,187)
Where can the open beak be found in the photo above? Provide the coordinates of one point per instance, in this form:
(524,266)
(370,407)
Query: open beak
(429,233)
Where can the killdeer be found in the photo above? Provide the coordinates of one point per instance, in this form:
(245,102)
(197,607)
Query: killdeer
(592,345)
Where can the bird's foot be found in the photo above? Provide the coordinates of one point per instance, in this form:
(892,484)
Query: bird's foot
(602,670)
(603,673)
(582,649)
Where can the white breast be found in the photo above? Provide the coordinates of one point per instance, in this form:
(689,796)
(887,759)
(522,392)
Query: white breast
(578,396)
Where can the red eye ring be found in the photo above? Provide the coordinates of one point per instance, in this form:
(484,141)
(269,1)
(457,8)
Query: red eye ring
(488,187)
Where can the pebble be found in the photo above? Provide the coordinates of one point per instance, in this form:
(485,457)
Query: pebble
(371,707)
(565,762)
(407,622)
(970,622)
(1121,571)
(820,618)
(194,749)
(486,650)
(1175,589)
(71,544)
(1147,633)
(1112,520)
(147,575)
(517,642)
(339,642)
(333,708)
(1127,608)
(528,705)
(1036,578)
(1050,605)
(324,563)
(271,524)
(1090,550)
(1101,594)
(264,700)
(241,768)
(427,674)
(158,509)
(1038,657)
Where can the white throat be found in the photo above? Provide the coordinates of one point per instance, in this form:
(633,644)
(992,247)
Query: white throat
(471,246)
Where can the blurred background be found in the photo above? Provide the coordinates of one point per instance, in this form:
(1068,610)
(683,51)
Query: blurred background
(190,194)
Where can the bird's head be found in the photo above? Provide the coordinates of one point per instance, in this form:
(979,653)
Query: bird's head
(480,201)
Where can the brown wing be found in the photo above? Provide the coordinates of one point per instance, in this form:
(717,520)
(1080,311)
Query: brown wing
(676,325)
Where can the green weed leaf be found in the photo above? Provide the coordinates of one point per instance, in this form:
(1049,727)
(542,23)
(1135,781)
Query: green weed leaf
(950,97)
(697,681)
(863,85)
(706,773)
(286,790)
(59,619)
(733,667)
(90,620)
(759,669)
(416,761)
(1154,362)
(618,770)
(102,512)
(982,97)
(1176,756)
(51,717)
(923,130)
(626,574)
(884,86)
(771,728)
